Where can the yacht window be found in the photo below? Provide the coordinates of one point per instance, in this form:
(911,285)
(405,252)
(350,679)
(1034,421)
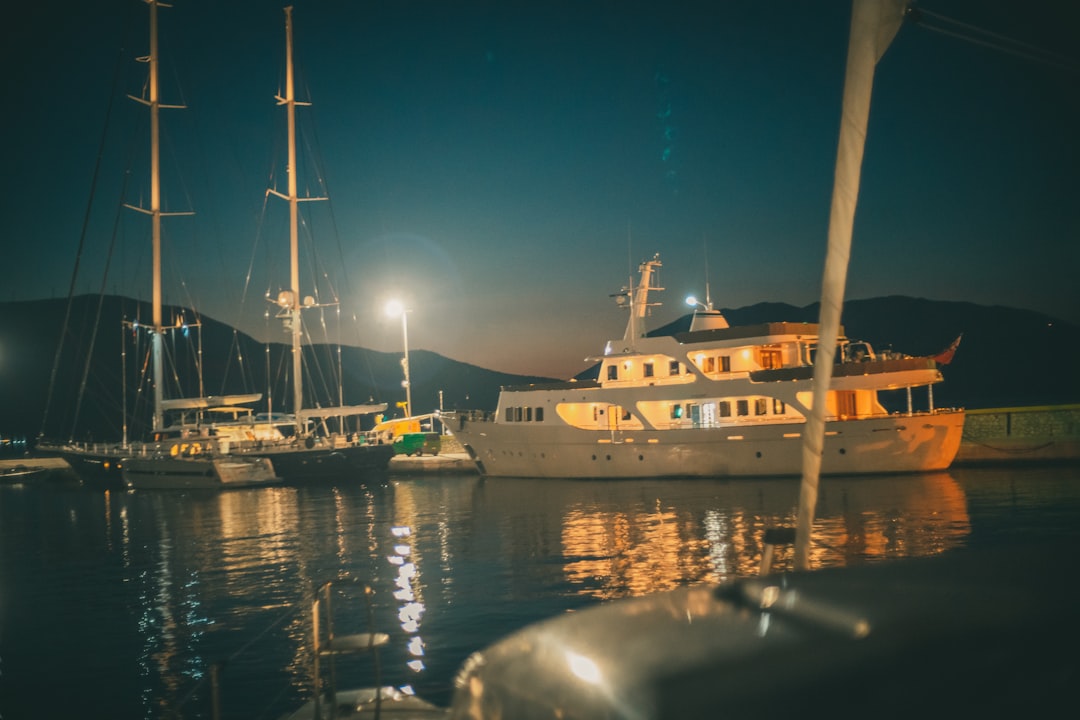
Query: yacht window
(648,369)
(725,408)
(517,414)
(761,407)
(676,412)
(539,414)
(612,372)
(528,414)
(742,407)
(509,414)
(625,414)
(770,359)
(725,363)
(709,365)
(673,368)
(778,407)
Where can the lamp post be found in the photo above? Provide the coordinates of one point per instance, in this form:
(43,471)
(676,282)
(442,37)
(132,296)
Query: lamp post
(393,309)
(694,303)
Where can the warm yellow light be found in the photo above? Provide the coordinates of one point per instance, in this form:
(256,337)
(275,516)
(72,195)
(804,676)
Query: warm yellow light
(583,667)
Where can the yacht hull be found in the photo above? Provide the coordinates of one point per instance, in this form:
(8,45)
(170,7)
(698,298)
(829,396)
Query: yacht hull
(170,473)
(891,444)
(321,464)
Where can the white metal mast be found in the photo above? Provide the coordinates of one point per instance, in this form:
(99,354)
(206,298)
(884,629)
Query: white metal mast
(293,303)
(155,213)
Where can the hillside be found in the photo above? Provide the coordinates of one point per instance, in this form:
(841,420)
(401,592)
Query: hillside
(992,368)
(234,363)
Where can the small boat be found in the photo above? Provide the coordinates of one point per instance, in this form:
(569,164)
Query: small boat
(20,473)
(197,472)
(966,633)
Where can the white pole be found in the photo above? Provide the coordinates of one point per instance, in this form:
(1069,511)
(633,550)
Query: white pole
(874,23)
(405,362)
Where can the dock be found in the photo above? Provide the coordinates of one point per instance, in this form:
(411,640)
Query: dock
(451,460)
(1018,435)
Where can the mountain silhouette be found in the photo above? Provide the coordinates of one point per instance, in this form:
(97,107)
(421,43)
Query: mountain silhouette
(1007,357)
(232,363)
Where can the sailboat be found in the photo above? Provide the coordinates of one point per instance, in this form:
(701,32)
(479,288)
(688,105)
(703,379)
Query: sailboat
(304,455)
(183,456)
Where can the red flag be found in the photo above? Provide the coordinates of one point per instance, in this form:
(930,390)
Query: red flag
(945,356)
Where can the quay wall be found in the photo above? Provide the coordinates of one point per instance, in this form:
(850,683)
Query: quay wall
(1047,433)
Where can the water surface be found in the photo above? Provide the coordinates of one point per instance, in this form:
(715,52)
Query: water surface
(115,604)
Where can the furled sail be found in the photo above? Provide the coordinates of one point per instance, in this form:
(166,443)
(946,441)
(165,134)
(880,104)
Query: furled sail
(874,23)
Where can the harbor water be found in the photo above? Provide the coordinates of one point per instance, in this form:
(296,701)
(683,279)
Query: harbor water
(116,604)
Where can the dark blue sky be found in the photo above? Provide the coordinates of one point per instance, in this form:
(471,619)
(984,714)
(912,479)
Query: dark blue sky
(501,166)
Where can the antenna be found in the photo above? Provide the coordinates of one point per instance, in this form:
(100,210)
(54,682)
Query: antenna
(705,249)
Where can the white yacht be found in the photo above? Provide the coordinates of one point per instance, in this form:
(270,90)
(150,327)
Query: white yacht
(715,401)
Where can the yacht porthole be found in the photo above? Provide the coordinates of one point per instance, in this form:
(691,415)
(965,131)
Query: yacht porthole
(843,451)
(758,453)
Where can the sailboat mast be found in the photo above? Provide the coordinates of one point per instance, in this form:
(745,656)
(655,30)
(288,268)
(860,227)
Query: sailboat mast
(156,339)
(153,102)
(294,243)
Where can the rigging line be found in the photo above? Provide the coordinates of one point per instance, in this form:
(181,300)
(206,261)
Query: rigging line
(100,303)
(315,151)
(95,176)
(1000,42)
(993,46)
(990,33)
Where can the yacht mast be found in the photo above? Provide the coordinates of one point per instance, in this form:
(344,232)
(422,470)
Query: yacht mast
(155,213)
(294,243)
(292,303)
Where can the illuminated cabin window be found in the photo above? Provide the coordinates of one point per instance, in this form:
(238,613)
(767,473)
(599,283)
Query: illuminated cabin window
(769,359)
(761,407)
(725,363)
(648,369)
(673,367)
(676,412)
(709,365)
(612,372)
(742,407)
(778,407)
(725,408)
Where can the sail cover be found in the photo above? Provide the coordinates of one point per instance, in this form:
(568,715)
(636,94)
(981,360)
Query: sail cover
(874,24)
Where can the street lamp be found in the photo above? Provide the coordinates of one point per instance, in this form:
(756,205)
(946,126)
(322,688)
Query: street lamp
(393,309)
(694,302)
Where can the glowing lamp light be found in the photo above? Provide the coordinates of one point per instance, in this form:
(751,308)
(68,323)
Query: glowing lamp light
(583,667)
(695,303)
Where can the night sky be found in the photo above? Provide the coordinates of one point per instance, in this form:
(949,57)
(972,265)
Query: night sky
(502,167)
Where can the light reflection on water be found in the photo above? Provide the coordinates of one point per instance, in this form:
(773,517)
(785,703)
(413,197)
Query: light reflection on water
(157,586)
